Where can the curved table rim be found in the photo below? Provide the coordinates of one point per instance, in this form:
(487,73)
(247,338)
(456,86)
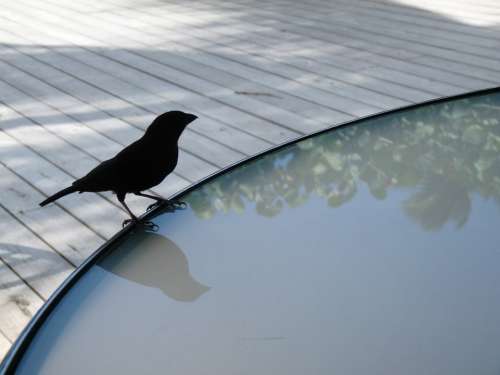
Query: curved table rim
(11,360)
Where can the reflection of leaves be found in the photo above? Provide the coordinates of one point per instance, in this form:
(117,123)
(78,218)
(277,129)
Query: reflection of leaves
(473,134)
(342,194)
(449,150)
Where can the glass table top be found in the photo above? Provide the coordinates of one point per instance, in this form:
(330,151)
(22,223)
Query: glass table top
(370,248)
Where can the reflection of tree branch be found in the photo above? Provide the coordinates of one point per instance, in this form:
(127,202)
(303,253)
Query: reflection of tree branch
(449,150)
(438,201)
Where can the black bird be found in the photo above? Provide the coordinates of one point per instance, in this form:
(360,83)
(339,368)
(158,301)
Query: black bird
(139,166)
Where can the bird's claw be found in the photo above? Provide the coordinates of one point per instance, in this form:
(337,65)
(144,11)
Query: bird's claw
(149,225)
(154,205)
(177,205)
(129,221)
(170,204)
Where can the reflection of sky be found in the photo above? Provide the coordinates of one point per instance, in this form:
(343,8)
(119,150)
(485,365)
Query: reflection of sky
(352,290)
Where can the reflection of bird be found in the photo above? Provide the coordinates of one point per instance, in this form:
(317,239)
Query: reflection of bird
(139,166)
(153,260)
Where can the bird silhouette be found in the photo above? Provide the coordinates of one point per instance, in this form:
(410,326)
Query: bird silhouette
(139,166)
(153,260)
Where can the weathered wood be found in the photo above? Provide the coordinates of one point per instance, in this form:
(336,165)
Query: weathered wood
(83,137)
(110,105)
(336,36)
(329,67)
(315,9)
(322,96)
(458,67)
(289,81)
(425,22)
(4,345)
(433,20)
(49,223)
(54,145)
(437,88)
(307,46)
(30,257)
(156,73)
(18,304)
(309,26)
(101,215)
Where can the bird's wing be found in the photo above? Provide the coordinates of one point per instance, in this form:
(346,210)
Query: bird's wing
(113,174)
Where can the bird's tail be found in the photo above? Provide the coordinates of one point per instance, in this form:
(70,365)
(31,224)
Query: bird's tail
(59,194)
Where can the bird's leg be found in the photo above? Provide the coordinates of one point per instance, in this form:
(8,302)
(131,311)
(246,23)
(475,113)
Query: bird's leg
(171,204)
(133,218)
(158,200)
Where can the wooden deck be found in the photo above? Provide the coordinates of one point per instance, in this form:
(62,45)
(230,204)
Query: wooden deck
(80,79)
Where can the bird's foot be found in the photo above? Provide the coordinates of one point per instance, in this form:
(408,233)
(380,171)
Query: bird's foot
(155,204)
(129,221)
(171,205)
(176,205)
(149,225)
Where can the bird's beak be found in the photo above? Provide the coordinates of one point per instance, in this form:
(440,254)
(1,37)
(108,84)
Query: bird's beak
(191,117)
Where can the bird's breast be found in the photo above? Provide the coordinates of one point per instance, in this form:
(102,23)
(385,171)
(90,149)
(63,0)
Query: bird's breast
(153,170)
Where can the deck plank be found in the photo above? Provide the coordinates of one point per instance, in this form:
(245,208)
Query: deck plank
(390,26)
(237,137)
(210,127)
(278,73)
(86,138)
(18,304)
(30,257)
(4,345)
(317,26)
(91,147)
(21,199)
(304,58)
(100,214)
(162,74)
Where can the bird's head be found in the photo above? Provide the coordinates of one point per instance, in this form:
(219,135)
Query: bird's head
(170,125)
